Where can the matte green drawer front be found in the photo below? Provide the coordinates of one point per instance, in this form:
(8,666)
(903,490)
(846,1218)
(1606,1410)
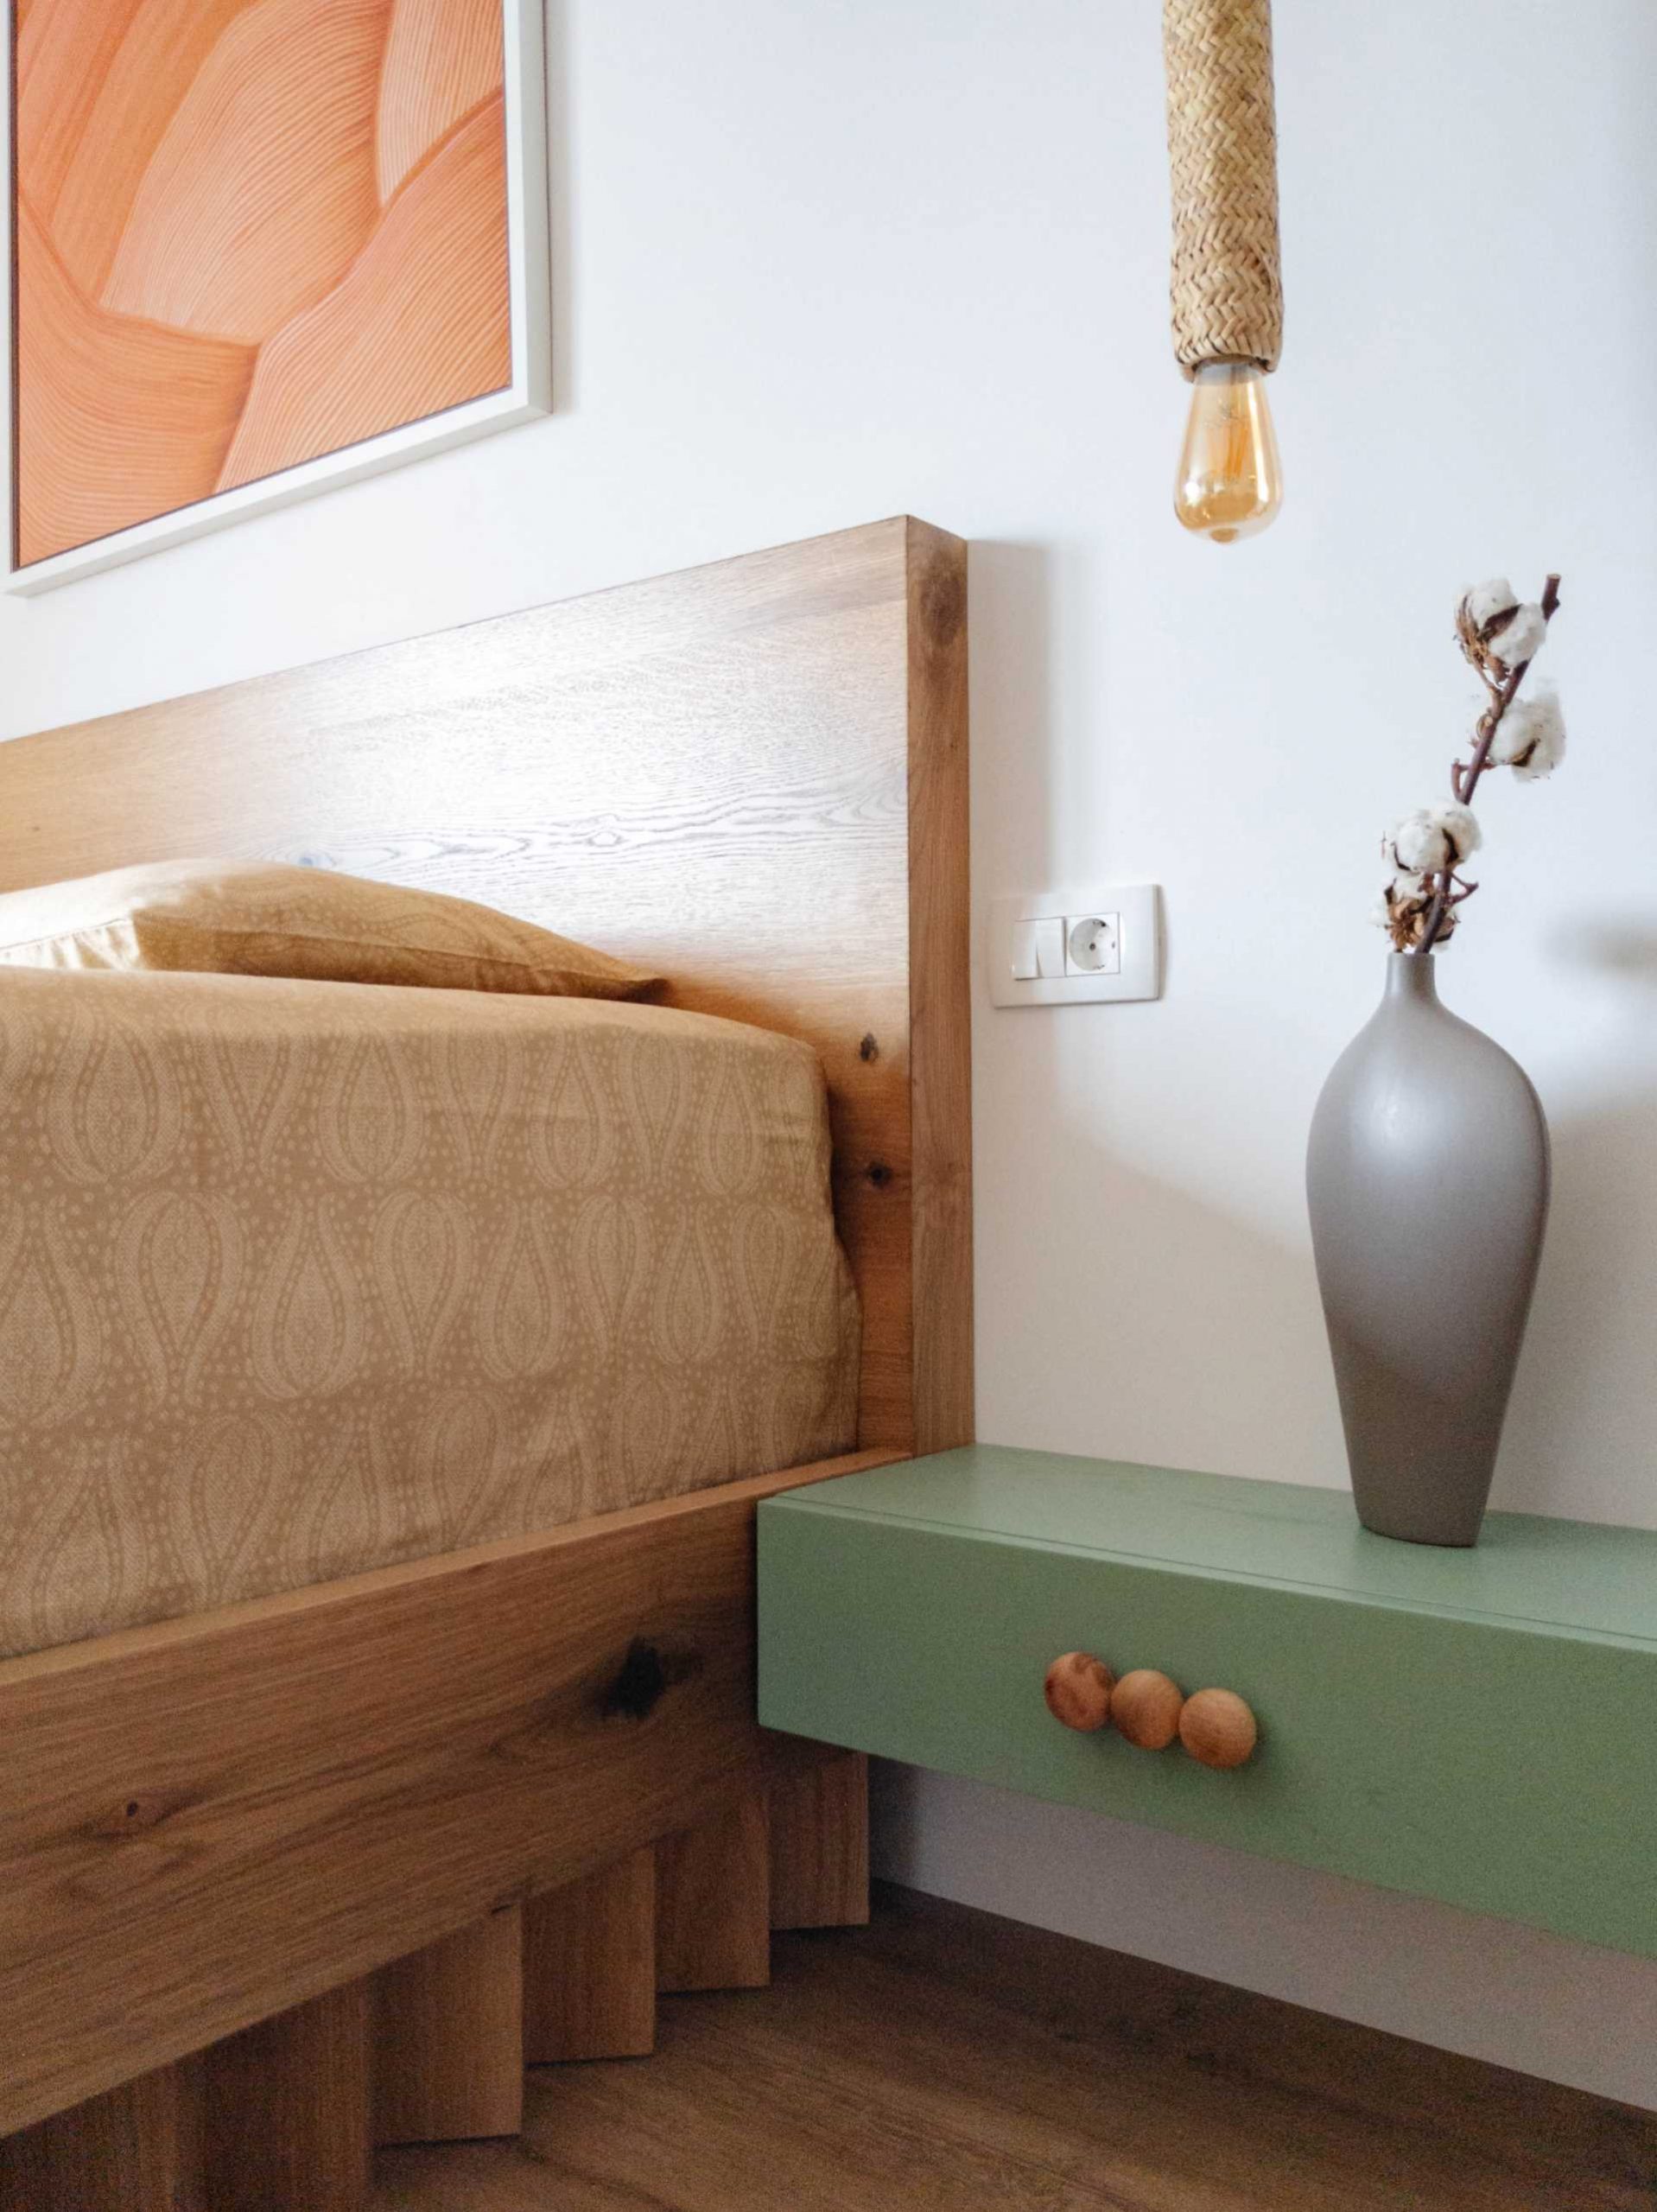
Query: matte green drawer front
(1502,1762)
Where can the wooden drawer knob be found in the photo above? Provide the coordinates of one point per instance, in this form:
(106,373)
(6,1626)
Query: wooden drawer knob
(1217,1727)
(1145,1707)
(1078,1691)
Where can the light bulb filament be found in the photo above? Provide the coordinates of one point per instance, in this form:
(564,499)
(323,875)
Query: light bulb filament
(1230,482)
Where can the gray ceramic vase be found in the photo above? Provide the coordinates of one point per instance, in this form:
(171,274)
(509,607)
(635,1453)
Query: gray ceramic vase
(1427,1178)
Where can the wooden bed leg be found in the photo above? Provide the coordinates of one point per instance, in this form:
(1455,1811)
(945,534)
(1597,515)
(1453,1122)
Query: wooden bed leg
(712,1903)
(449,2037)
(590,1965)
(138,2149)
(820,1846)
(288,2110)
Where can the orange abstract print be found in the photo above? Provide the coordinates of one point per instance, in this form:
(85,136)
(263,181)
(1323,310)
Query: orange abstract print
(249,233)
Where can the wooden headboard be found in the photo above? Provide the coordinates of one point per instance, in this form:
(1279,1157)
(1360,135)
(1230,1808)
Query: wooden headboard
(753,776)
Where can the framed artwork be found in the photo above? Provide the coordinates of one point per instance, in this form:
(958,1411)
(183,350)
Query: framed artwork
(260,247)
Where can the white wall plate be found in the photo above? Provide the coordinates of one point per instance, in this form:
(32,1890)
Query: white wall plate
(1072,947)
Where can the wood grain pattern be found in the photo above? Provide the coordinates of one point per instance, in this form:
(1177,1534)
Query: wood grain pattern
(213,1820)
(590,1965)
(1145,1709)
(288,2110)
(945,2060)
(940,993)
(449,2037)
(750,776)
(135,2149)
(1218,1729)
(1078,1690)
(820,1846)
(712,1903)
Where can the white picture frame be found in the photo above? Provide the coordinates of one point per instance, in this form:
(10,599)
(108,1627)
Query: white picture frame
(528,393)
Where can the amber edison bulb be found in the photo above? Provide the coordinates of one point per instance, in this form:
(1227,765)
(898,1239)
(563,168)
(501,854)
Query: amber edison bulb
(1230,482)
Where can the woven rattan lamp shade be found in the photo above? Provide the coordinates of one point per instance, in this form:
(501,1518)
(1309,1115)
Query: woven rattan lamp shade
(1225,283)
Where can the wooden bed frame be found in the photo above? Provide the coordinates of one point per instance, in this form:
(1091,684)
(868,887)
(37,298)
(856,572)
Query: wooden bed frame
(480,1808)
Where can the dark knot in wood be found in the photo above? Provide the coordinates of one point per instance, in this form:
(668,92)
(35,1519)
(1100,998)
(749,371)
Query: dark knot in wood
(869,1050)
(878,1173)
(136,1815)
(636,1690)
(646,1673)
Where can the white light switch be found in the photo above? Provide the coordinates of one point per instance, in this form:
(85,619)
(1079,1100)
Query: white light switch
(1050,945)
(1037,948)
(1064,948)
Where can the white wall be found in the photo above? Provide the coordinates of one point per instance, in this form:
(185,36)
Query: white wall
(818,263)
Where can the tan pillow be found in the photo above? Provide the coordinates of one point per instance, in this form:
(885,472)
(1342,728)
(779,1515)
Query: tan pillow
(257,917)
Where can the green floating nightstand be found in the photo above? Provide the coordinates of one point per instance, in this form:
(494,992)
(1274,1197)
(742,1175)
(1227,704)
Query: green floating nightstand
(1476,1725)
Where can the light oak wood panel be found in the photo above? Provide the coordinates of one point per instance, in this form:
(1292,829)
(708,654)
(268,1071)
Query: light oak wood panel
(590,1965)
(712,1903)
(449,2037)
(820,1846)
(136,2149)
(945,2060)
(288,2110)
(214,1819)
(940,995)
(750,777)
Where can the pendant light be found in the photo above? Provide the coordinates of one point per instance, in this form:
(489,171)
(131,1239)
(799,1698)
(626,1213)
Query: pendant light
(1225,283)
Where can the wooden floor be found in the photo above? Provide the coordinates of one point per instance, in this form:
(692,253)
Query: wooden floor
(943,2061)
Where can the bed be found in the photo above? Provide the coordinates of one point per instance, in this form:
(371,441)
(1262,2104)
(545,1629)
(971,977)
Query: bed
(300,1278)
(311,1832)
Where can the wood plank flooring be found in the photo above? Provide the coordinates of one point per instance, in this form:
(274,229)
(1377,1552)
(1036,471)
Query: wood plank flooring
(945,2061)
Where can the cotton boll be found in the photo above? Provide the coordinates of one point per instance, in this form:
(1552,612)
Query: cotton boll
(1400,918)
(1403,913)
(1401,882)
(1418,846)
(1507,744)
(1458,825)
(1521,638)
(1432,838)
(1530,737)
(1542,761)
(1485,601)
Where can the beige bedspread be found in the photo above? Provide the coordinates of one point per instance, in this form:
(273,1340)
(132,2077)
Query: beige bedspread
(298,1279)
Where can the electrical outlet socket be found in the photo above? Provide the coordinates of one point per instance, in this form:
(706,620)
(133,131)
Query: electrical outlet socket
(1112,946)
(1092,945)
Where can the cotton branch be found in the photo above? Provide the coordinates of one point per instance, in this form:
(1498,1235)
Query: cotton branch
(1482,644)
